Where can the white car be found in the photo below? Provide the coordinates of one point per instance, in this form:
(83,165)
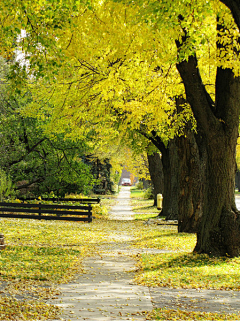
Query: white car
(126,182)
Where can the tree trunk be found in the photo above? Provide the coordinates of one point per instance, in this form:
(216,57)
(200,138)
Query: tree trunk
(174,180)
(219,232)
(190,182)
(190,197)
(156,173)
(170,177)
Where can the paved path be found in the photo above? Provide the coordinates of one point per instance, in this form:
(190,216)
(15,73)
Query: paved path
(122,210)
(105,291)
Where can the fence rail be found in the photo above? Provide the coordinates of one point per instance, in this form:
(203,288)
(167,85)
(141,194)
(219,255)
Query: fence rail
(42,211)
(60,199)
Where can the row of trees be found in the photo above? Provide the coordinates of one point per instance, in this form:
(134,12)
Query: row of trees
(165,71)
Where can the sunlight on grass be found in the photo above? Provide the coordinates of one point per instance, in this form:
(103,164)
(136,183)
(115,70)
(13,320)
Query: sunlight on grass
(145,216)
(164,238)
(189,271)
(165,315)
(139,193)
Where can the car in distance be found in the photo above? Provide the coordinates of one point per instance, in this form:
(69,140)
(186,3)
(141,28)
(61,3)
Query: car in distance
(126,182)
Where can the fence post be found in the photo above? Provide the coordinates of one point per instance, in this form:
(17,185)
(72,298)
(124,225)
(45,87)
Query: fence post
(2,245)
(89,213)
(40,210)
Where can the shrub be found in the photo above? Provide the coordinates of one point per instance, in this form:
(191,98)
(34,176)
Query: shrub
(149,193)
(139,185)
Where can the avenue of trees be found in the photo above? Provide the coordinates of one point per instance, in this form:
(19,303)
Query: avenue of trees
(168,71)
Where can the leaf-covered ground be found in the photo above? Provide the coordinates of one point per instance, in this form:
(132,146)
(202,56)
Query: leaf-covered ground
(165,315)
(41,254)
(38,255)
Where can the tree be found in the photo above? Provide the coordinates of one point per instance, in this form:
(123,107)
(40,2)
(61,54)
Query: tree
(156,173)
(216,113)
(190,178)
(234,6)
(219,233)
(34,161)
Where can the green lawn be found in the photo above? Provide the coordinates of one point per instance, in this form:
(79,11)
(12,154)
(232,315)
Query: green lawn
(142,207)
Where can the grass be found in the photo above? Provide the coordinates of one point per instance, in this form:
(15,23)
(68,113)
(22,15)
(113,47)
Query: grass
(143,208)
(178,266)
(165,314)
(139,193)
(189,271)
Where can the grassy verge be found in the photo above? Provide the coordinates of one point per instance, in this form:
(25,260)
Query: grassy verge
(143,208)
(178,266)
(164,315)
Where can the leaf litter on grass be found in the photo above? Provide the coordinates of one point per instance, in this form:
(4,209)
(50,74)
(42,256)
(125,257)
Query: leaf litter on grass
(41,254)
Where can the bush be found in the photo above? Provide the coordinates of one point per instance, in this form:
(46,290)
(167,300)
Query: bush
(6,185)
(99,210)
(149,193)
(139,185)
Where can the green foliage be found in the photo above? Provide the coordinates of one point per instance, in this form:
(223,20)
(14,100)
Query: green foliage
(38,163)
(149,193)
(139,185)
(6,185)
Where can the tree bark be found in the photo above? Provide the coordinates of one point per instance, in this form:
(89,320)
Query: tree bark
(190,178)
(174,180)
(170,177)
(219,232)
(156,174)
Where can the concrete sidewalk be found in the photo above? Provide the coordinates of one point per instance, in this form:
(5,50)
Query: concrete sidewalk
(122,210)
(105,292)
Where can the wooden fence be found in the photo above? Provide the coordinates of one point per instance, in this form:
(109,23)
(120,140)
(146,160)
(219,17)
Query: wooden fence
(47,212)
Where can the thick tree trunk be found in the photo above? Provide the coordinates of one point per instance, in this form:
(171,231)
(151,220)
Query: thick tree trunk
(219,230)
(190,178)
(191,188)
(169,205)
(219,233)
(170,178)
(174,180)
(156,173)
